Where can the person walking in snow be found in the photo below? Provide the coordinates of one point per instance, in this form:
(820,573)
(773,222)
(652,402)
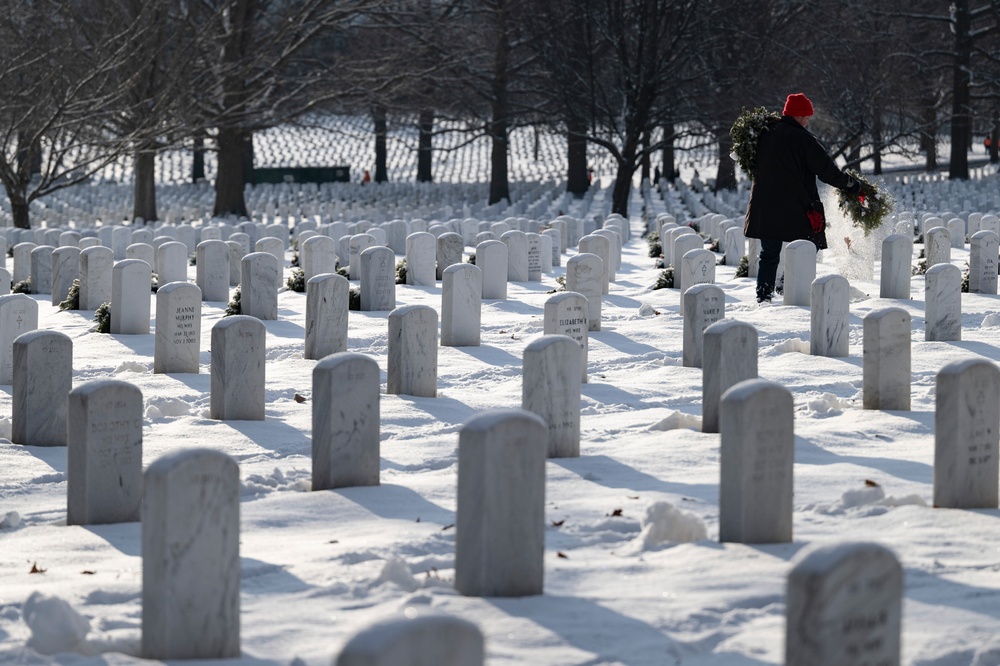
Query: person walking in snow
(784,202)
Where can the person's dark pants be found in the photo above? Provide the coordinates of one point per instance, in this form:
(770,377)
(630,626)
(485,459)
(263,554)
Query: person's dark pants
(767,269)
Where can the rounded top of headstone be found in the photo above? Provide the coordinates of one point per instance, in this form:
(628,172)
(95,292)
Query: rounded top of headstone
(962,365)
(341,358)
(406,310)
(401,635)
(945,268)
(240,321)
(324,277)
(462,268)
(698,253)
(376,249)
(39,249)
(561,296)
(98,385)
(213,242)
(819,560)
(489,419)
(550,340)
(125,264)
(42,334)
(586,258)
(199,458)
(266,257)
(513,233)
(698,289)
(724,326)
(66,250)
(97,249)
(801,243)
(985,234)
(171,287)
(487,244)
(891,311)
(748,388)
(419,235)
(833,278)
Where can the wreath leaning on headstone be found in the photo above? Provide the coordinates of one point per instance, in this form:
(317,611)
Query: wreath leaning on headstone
(869,210)
(746,131)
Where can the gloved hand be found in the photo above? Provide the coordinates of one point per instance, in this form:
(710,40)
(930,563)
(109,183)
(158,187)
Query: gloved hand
(854,187)
(815,221)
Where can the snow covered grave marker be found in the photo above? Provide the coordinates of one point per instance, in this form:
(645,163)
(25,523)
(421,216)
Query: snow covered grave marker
(983,250)
(357,244)
(235,262)
(534,257)
(886,359)
(555,238)
(41,269)
(829,316)
(956,232)
(800,271)
(421,257)
(142,236)
(272,246)
(191,556)
(491,258)
(704,304)
(461,306)
(237,386)
(566,314)
(550,388)
(897,257)
(96,264)
(449,252)
(141,251)
(500,514)
(943,303)
(613,234)
(966,435)
(756,459)
(600,246)
(735,245)
(844,607)
(177,344)
(280,232)
(377,272)
(729,356)
(212,270)
(22,261)
(327,297)
(130,296)
(18,315)
(260,274)
(65,269)
(937,242)
(345,422)
(417,639)
(561,225)
(185,234)
(412,362)
(683,240)
(697,266)
(584,275)
(121,238)
(210,233)
(317,255)
(104,453)
(517,255)
(43,377)
(395,235)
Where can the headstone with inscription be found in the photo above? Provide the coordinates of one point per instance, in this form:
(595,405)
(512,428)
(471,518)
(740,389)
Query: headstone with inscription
(449,252)
(104,453)
(551,389)
(345,422)
(22,261)
(984,248)
(96,264)
(142,252)
(43,377)
(696,267)
(756,458)
(358,244)
(18,315)
(704,304)
(378,279)
(937,242)
(260,274)
(41,269)
(729,356)
(566,314)
(585,275)
(65,269)
(517,255)
(318,255)
(886,359)
(177,345)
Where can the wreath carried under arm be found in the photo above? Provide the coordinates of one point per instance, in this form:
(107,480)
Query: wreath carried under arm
(746,131)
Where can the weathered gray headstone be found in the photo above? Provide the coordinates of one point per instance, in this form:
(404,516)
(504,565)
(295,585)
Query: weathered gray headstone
(358,244)
(18,315)
(551,389)
(317,255)
(500,514)
(130,296)
(704,304)
(177,343)
(377,266)
(984,248)
(96,264)
(696,267)
(491,258)
(43,377)
(897,255)
(685,240)
(237,386)
(844,606)
(171,262)
(461,305)
(449,252)
(41,269)
(566,314)
(943,303)
(104,453)
(937,242)
(65,269)
(420,638)
(411,367)
(421,259)
(235,262)
(729,356)
(327,298)
(956,231)
(886,359)
(273,246)
(345,422)
(191,556)
(260,275)
(830,313)
(600,246)
(800,271)
(585,275)
(757,452)
(212,271)
(534,257)
(553,234)
(142,252)
(517,255)
(22,261)
(967,435)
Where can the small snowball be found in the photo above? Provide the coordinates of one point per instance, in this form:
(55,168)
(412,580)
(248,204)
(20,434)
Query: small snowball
(991,320)
(861,497)
(646,310)
(677,421)
(663,523)
(55,626)
(396,571)
(10,520)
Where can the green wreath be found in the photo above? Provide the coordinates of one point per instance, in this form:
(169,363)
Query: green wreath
(746,131)
(870,210)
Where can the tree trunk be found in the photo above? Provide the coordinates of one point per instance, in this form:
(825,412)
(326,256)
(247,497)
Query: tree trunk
(669,168)
(994,135)
(623,187)
(19,211)
(425,146)
(644,169)
(144,205)
(576,158)
(381,159)
(198,158)
(725,176)
(877,143)
(248,157)
(499,185)
(229,199)
(961,113)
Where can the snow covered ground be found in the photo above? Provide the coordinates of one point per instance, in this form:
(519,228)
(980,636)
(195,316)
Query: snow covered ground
(316,567)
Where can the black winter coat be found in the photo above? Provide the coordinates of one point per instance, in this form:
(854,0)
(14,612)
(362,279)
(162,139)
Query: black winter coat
(789,160)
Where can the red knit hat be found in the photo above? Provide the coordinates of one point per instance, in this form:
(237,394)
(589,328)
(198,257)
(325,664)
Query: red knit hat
(797,104)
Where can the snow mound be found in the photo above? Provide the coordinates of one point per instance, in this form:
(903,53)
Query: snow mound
(55,626)
(793,346)
(397,572)
(162,407)
(871,496)
(647,310)
(856,295)
(989,654)
(257,484)
(826,403)
(5,427)
(10,520)
(677,421)
(131,366)
(990,321)
(664,523)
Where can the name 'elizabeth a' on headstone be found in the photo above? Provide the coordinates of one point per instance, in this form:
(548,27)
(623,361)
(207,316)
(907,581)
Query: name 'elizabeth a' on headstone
(104,453)
(844,606)
(566,314)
